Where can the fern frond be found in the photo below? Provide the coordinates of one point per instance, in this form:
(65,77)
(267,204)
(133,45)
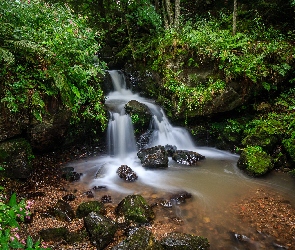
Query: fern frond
(28,46)
(6,56)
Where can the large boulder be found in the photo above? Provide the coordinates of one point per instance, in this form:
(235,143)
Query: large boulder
(254,161)
(155,157)
(51,132)
(100,228)
(141,239)
(15,157)
(140,116)
(134,208)
(126,173)
(187,157)
(180,241)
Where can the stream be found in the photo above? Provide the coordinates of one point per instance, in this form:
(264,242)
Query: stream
(214,183)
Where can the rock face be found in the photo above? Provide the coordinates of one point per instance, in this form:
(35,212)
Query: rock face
(101,229)
(187,157)
(16,156)
(126,173)
(155,157)
(134,208)
(140,239)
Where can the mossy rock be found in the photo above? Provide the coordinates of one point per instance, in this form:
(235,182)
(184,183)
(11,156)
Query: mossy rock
(254,161)
(16,156)
(182,241)
(100,228)
(86,208)
(134,208)
(289,145)
(142,239)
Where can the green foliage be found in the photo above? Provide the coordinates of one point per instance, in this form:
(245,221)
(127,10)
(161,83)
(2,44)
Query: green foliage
(48,51)
(11,213)
(255,161)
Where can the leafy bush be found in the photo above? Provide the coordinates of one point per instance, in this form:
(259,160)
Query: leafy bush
(45,50)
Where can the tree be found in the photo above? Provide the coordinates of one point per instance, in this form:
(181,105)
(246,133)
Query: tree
(171,15)
(235,14)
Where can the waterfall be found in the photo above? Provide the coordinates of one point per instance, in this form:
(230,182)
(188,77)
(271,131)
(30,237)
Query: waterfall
(120,133)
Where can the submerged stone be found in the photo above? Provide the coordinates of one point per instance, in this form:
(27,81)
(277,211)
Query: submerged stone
(180,241)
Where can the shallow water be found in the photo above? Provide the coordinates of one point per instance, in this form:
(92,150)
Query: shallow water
(215,184)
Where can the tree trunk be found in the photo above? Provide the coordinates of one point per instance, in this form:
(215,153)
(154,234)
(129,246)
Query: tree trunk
(235,14)
(169,12)
(177,14)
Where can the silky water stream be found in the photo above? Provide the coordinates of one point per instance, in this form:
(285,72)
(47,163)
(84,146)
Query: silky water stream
(216,184)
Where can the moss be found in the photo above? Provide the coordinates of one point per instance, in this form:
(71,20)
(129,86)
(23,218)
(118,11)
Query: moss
(86,208)
(255,161)
(289,145)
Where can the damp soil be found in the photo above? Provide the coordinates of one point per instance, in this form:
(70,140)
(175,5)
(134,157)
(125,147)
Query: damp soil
(271,215)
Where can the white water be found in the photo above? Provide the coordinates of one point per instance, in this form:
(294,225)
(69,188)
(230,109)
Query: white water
(214,184)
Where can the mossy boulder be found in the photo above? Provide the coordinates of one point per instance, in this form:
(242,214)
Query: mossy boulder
(100,228)
(182,241)
(140,116)
(86,208)
(54,234)
(16,156)
(134,208)
(63,211)
(254,161)
(142,239)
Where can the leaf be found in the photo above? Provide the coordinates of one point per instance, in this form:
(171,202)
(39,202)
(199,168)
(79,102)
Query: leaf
(12,201)
(29,242)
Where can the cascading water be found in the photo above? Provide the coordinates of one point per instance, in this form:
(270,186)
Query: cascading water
(214,184)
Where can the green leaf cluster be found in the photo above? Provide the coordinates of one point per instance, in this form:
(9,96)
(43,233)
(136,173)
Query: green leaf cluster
(46,50)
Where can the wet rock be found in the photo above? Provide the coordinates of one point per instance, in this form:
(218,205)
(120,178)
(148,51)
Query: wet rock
(69,174)
(77,236)
(15,157)
(170,150)
(184,241)
(166,203)
(89,194)
(180,197)
(96,188)
(134,208)
(106,199)
(126,173)
(187,157)
(144,139)
(100,172)
(141,239)
(63,211)
(86,208)
(54,234)
(155,157)
(140,116)
(69,197)
(100,228)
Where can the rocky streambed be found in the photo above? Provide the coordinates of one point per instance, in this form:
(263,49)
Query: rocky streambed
(271,215)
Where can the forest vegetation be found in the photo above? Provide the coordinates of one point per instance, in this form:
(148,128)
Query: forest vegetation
(54,55)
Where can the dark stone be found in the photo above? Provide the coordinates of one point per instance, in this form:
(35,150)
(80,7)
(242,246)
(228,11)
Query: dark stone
(134,208)
(179,241)
(141,239)
(126,173)
(69,197)
(100,228)
(15,157)
(71,176)
(106,199)
(86,208)
(155,157)
(180,197)
(54,234)
(187,157)
(89,194)
(63,211)
(79,236)
(166,204)
(170,149)
(96,188)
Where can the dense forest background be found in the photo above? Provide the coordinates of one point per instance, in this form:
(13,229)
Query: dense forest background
(224,69)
